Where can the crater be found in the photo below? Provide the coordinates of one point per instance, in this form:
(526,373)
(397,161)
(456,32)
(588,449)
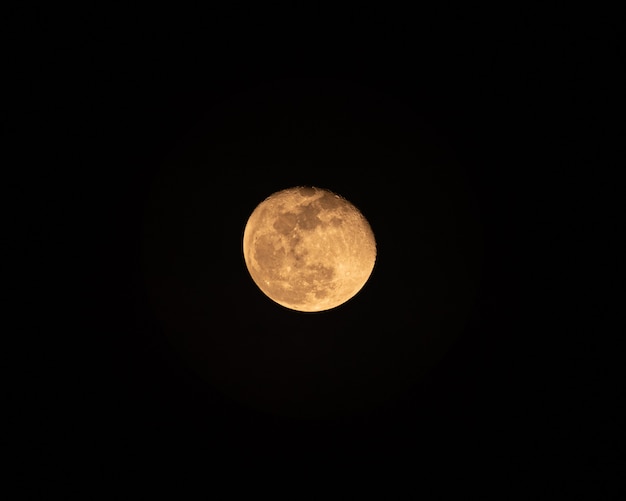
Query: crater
(330,201)
(267,255)
(287,295)
(335,221)
(294,240)
(307,219)
(298,257)
(318,272)
(306,191)
(285,223)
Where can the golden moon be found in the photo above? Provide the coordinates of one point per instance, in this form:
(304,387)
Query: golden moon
(308,249)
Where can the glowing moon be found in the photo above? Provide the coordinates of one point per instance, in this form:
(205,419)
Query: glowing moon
(308,249)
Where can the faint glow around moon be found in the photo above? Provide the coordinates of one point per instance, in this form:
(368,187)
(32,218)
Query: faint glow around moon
(308,249)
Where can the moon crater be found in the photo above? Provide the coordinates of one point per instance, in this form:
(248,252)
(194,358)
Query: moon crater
(308,249)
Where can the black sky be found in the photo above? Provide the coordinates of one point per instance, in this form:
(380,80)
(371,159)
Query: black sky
(154,359)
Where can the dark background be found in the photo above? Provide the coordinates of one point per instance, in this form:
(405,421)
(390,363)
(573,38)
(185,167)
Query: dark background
(474,356)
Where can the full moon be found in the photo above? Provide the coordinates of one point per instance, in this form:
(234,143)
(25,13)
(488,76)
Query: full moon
(308,249)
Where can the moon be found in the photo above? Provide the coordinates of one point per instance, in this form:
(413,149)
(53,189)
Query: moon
(308,249)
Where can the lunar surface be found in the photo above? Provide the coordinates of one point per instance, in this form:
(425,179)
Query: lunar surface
(308,249)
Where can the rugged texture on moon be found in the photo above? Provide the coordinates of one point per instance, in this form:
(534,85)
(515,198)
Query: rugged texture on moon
(308,249)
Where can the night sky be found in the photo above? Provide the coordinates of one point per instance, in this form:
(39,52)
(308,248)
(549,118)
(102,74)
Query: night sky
(156,364)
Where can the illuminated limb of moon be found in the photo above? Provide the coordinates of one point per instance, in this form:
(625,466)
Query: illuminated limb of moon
(308,249)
